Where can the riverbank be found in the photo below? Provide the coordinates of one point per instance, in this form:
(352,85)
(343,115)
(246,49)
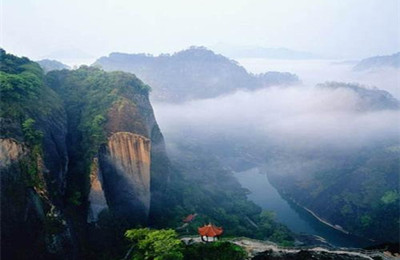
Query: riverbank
(321,220)
(310,228)
(337,227)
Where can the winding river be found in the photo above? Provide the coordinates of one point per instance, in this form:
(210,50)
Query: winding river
(294,217)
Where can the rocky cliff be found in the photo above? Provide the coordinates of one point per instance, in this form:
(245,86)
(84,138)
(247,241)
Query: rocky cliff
(74,145)
(10,152)
(125,169)
(33,164)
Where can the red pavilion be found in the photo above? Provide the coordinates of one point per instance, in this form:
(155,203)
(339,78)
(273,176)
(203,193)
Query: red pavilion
(210,232)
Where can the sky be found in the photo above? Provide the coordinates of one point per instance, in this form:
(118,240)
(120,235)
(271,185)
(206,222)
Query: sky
(93,28)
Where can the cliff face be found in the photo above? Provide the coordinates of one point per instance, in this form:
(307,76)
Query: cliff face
(20,206)
(32,220)
(73,144)
(33,164)
(125,168)
(110,118)
(134,114)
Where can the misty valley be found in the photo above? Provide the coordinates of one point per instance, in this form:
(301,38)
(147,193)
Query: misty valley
(138,156)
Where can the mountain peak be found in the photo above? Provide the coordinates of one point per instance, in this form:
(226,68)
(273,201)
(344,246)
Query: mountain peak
(378,62)
(371,98)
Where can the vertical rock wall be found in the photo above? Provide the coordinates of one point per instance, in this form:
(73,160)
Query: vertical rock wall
(31,222)
(125,169)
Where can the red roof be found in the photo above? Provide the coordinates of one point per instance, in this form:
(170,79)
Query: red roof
(210,230)
(189,218)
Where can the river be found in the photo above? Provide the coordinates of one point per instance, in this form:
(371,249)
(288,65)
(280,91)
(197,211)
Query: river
(294,217)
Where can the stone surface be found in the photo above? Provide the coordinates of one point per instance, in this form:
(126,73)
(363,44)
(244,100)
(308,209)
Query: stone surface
(10,151)
(125,168)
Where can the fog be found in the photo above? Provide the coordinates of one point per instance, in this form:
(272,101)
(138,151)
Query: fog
(297,118)
(312,72)
(283,115)
(44,28)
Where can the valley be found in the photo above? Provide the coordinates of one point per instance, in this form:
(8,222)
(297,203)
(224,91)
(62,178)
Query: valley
(199,130)
(298,219)
(263,160)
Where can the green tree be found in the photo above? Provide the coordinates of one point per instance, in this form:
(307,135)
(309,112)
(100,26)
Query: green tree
(390,197)
(151,244)
(31,135)
(365,220)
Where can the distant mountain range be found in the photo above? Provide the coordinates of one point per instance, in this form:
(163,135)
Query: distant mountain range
(70,56)
(49,65)
(195,73)
(370,99)
(388,61)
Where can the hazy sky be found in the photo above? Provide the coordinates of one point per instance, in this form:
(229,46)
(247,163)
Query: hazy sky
(345,28)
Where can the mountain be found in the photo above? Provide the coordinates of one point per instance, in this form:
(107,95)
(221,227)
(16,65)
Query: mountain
(195,73)
(356,192)
(369,99)
(49,65)
(83,160)
(354,189)
(34,162)
(74,146)
(376,62)
(113,136)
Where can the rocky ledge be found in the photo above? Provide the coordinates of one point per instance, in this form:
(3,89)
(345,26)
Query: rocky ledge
(266,250)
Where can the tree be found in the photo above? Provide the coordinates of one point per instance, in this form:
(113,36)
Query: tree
(31,135)
(151,244)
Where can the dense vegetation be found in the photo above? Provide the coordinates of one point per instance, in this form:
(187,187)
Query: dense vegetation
(361,190)
(201,185)
(75,105)
(45,111)
(28,192)
(194,73)
(154,244)
(88,94)
(22,92)
(165,245)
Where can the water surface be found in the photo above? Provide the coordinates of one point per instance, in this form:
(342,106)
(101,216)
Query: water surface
(294,217)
